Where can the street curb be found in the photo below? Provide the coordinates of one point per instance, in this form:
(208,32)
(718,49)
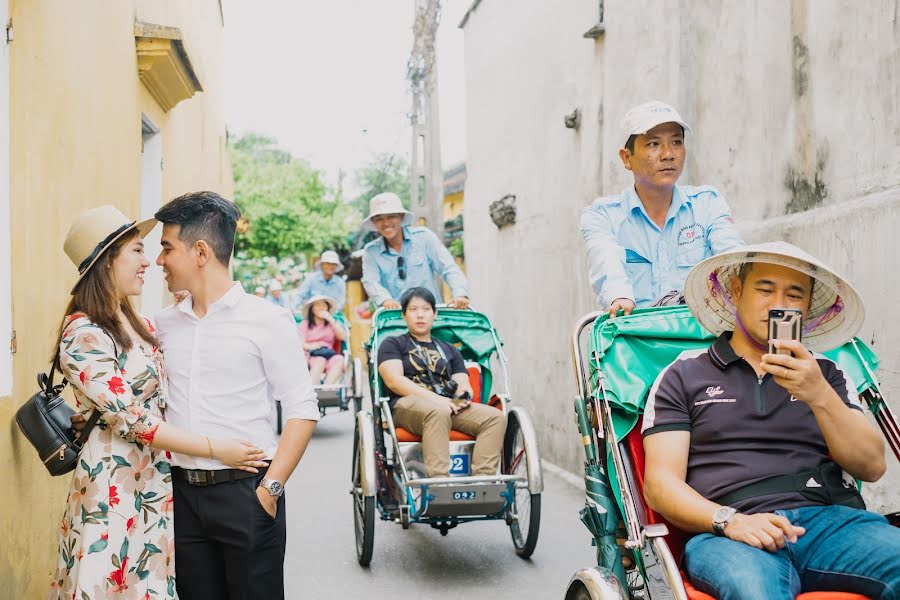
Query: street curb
(567,476)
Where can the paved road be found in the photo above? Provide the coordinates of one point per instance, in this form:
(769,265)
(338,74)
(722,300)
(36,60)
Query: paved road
(474,561)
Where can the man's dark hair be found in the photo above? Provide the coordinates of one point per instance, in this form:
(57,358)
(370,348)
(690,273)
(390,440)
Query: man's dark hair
(629,145)
(203,216)
(417,292)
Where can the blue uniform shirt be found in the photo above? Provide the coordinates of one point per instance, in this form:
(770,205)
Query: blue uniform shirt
(630,257)
(423,257)
(317,285)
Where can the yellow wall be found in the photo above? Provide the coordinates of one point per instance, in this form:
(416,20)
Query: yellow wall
(453,205)
(75,142)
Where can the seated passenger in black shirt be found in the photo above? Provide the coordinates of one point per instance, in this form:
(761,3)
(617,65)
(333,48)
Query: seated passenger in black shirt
(430,391)
(749,449)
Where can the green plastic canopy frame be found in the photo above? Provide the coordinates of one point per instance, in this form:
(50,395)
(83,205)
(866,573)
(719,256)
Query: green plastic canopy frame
(471,330)
(631,351)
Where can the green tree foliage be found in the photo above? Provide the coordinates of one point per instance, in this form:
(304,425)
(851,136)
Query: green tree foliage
(290,209)
(384,173)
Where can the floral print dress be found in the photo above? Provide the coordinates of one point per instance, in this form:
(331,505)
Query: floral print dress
(116,537)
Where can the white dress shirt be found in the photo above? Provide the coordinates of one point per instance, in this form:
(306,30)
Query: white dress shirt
(227,369)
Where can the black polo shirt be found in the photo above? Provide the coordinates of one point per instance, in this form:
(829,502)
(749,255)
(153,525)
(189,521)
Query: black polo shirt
(743,428)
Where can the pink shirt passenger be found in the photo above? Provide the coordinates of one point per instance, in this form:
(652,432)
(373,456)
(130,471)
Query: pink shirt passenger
(323,333)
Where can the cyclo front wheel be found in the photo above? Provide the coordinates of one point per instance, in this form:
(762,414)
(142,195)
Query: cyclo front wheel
(363,510)
(526,507)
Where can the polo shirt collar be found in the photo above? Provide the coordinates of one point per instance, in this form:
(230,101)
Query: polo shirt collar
(721,352)
(404,230)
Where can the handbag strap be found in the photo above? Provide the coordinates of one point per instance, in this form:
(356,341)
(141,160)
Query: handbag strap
(95,416)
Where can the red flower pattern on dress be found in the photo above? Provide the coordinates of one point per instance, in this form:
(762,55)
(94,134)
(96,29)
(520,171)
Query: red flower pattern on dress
(117,577)
(116,386)
(113,495)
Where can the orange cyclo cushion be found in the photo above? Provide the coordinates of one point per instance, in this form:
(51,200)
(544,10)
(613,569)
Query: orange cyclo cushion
(695,594)
(455,436)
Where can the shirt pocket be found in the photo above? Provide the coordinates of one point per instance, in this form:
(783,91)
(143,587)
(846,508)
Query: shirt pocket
(418,269)
(640,273)
(687,256)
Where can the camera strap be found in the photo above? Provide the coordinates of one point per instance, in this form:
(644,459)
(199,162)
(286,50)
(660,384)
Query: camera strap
(432,376)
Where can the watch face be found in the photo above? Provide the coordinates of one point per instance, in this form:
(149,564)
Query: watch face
(723,514)
(275,488)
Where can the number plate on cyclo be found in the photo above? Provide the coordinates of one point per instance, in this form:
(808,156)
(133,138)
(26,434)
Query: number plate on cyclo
(459,464)
(463,495)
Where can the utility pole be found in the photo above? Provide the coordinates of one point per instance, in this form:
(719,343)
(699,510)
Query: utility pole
(425,165)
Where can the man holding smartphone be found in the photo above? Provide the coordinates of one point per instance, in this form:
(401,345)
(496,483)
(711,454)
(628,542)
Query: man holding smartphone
(430,391)
(756,452)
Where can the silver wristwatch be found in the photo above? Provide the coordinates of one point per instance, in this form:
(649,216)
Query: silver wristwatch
(272,486)
(721,518)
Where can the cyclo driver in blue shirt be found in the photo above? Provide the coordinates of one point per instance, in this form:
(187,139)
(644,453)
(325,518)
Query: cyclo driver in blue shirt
(642,243)
(405,257)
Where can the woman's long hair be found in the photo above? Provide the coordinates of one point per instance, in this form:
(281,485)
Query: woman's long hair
(311,317)
(95,296)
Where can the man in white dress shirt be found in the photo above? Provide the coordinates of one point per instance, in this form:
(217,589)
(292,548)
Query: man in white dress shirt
(229,356)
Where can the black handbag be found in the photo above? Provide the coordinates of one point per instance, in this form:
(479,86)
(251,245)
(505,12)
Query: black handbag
(45,421)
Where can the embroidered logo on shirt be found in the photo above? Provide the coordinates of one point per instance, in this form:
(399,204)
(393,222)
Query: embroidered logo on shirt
(812,483)
(713,391)
(690,234)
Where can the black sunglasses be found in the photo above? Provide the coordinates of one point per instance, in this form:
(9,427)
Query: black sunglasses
(401,268)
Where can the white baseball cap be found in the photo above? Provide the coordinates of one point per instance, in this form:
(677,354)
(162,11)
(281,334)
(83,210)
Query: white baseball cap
(642,118)
(275,286)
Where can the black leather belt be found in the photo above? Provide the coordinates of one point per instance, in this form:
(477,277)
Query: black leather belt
(205,478)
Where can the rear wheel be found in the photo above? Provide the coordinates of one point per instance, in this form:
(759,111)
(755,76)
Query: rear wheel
(363,510)
(526,509)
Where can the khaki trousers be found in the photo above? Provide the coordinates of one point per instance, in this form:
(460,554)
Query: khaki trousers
(433,420)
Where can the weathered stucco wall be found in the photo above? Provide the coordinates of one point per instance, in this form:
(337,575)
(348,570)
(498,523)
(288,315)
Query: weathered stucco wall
(796,118)
(75,143)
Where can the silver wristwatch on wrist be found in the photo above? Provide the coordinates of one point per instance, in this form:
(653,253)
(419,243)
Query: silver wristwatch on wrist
(272,486)
(721,518)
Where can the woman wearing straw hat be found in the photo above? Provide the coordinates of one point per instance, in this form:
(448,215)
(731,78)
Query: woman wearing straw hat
(324,281)
(320,332)
(116,533)
(749,449)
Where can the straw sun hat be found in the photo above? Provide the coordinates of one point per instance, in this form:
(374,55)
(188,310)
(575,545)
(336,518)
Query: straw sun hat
(386,203)
(96,230)
(836,312)
(332,303)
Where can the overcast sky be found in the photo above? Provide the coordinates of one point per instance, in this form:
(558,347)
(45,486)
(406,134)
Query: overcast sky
(327,79)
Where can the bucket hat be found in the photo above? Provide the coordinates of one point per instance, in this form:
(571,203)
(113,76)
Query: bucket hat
(836,312)
(331,257)
(96,230)
(386,203)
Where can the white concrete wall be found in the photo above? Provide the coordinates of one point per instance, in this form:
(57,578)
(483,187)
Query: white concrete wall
(795,108)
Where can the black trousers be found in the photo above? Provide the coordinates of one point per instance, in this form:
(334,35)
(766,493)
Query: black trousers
(227,547)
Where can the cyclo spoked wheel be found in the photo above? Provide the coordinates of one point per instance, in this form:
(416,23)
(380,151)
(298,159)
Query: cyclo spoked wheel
(363,511)
(527,506)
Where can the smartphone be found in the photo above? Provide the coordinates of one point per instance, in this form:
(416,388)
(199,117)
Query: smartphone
(784,324)
(462,399)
